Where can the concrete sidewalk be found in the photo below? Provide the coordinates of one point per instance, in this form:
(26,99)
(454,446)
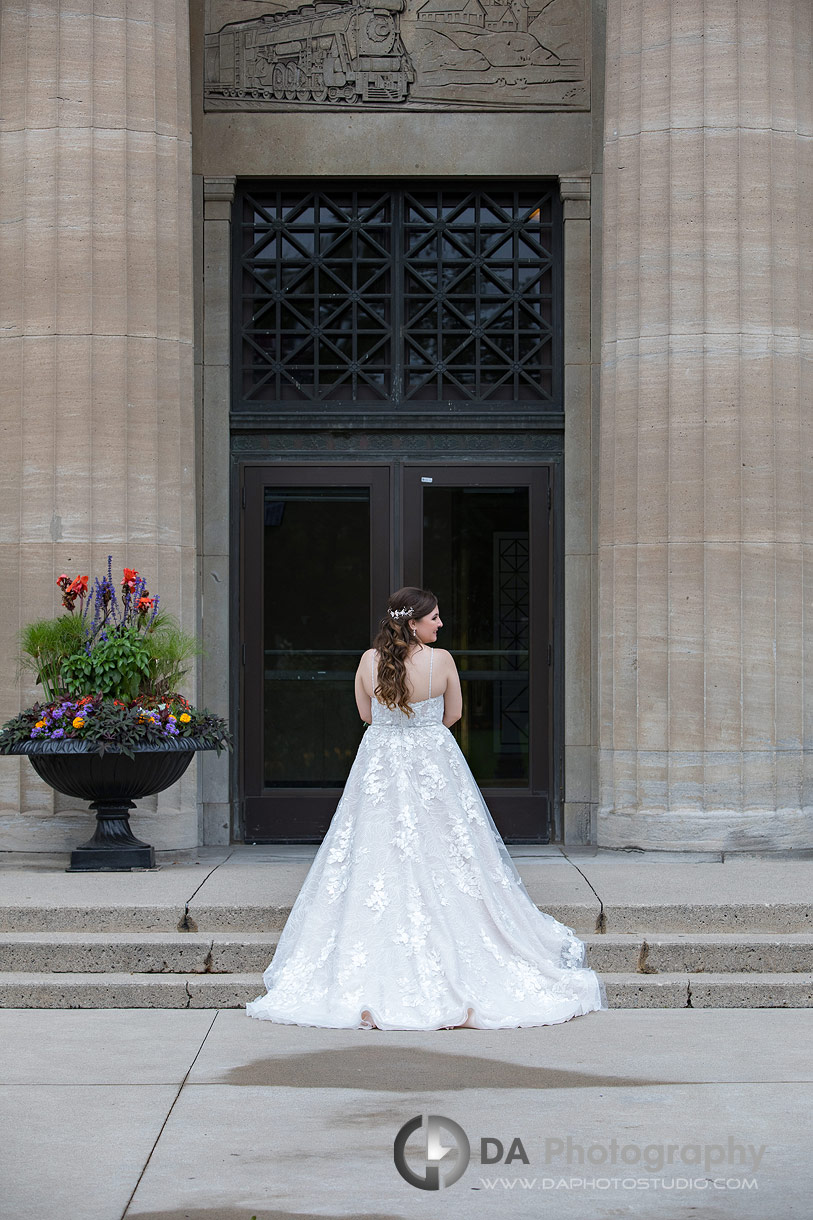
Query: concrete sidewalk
(198,1115)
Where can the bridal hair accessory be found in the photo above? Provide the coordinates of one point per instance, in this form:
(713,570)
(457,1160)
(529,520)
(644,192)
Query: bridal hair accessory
(405,613)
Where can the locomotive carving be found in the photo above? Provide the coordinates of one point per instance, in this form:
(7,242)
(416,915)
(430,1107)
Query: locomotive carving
(326,52)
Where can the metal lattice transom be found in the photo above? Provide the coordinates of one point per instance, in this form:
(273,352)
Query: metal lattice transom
(431,296)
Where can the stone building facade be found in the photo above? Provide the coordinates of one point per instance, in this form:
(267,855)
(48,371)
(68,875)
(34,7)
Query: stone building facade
(514,299)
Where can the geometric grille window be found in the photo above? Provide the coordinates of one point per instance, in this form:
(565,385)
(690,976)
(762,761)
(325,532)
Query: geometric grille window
(351,297)
(478,295)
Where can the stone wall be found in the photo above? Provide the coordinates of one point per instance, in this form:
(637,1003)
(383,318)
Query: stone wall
(97,415)
(706,493)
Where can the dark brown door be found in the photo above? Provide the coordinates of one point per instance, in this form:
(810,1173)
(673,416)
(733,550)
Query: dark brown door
(480,538)
(322,548)
(316,566)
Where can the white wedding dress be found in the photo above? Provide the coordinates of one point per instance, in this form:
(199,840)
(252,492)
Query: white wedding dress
(413,915)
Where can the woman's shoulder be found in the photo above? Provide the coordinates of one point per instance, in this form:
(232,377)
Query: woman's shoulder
(442,656)
(367,657)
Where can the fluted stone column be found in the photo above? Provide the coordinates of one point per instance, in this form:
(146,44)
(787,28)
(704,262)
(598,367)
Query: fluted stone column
(96,368)
(706,466)
(214,480)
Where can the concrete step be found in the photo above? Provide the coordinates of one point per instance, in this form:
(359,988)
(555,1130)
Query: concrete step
(755,990)
(250,952)
(136,952)
(709,953)
(624,990)
(586,919)
(19,989)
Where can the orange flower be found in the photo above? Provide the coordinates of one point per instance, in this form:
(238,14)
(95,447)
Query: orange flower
(184,718)
(78,722)
(79,586)
(40,724)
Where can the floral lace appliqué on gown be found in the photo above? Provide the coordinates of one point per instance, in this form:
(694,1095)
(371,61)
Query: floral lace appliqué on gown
(413,915)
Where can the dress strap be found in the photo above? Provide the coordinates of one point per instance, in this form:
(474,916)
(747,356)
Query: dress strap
(431,659)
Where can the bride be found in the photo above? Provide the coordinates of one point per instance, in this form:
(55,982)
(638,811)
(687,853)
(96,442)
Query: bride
(413,915)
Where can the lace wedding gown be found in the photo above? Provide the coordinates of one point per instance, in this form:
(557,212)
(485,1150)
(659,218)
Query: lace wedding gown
(413,915)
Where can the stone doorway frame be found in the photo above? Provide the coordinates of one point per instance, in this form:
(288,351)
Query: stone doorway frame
(213,199)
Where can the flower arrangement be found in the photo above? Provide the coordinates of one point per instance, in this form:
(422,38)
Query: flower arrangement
(109,670)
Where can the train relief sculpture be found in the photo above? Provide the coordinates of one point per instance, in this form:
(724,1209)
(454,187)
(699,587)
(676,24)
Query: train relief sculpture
(323,52)
(382,54)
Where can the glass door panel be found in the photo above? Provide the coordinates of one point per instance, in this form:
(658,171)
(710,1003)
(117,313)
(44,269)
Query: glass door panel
(480,539)
(476,547)
(316,559)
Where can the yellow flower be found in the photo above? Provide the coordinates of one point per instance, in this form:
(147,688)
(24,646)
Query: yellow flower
(40,724)
(184,717)
(78,722)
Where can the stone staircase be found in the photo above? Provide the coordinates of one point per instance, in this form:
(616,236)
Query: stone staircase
(746,956)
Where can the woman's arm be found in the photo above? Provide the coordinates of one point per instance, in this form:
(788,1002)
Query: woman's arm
(452,695)
(363,680)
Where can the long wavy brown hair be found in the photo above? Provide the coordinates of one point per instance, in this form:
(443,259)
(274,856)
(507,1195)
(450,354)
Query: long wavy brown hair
(393,642)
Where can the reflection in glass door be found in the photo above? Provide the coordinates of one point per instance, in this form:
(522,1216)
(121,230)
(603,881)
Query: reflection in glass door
(480,539)
(316,563)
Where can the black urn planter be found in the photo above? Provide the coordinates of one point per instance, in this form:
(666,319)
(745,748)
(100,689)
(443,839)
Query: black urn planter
(112,782)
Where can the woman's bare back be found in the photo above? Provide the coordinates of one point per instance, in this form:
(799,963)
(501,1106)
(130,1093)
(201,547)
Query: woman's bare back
(422,666)
(426,673)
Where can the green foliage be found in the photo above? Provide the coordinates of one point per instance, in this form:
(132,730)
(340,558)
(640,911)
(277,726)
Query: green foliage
(171,653)
(117,665)
(46,644)
(150,658)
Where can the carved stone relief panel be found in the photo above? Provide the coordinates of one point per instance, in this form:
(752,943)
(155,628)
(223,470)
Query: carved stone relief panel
(397,54)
